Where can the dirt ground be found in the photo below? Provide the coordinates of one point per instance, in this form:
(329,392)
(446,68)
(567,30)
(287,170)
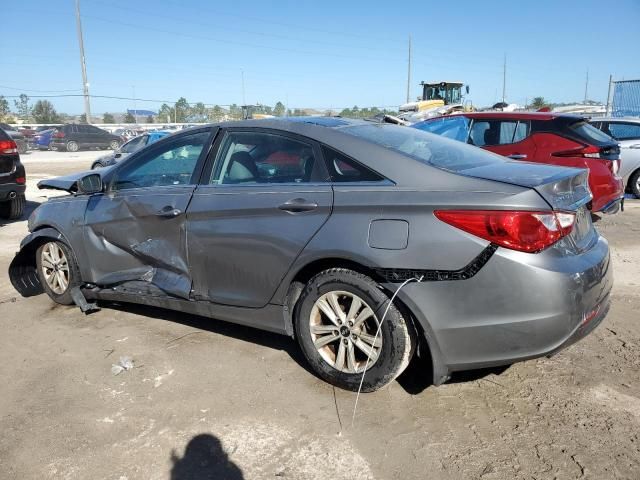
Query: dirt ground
(208,399)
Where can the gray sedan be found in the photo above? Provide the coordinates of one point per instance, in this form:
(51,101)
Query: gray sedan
(367,243)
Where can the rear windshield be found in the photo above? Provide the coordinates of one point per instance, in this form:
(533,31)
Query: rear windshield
(590,133)
(425,147)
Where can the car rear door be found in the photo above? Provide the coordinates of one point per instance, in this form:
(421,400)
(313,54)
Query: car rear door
(135,231)
(253,213)
(507,137)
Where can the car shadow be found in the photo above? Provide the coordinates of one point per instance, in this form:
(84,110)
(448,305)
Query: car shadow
(29,207)
(228,329)
(416,378)
(204,458)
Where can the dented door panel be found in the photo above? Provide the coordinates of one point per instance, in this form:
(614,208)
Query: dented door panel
(139,235)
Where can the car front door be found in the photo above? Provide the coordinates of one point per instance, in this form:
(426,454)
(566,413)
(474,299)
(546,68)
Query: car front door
(509,138)
(135,231)
(265,198)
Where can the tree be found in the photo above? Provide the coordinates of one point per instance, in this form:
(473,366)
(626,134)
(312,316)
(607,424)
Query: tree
(150,119)
(22,106)
(108,118)
(166,113)
(181,110)
(43,112)
(235,112)
(128,118)
(279,109)
(5,113)
(215,114)
(538,103)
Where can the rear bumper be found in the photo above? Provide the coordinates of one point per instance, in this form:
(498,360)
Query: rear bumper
(607,196)
(518,306)
(6,190)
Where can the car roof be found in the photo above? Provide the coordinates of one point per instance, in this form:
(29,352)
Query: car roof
(523,115)
(615,119)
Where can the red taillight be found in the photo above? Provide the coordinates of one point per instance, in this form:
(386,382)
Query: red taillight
(519,230)
(8,146)
(21,180)
(589,151)
(58,135)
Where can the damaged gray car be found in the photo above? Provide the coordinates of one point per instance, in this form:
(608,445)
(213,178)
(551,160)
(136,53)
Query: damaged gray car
(367,243)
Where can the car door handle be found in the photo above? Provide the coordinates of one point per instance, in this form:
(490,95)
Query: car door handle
(168,212)
(298,205)
(517,156)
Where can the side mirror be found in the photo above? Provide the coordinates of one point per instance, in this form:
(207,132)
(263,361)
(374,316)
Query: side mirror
(90,184)
(117,154)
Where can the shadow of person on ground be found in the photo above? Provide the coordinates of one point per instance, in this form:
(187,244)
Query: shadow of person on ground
(204,459)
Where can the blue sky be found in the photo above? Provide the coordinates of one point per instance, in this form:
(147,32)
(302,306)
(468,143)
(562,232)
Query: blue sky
(327,54)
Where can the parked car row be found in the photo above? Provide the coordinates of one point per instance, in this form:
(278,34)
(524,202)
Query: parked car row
(132,146)
(556,139)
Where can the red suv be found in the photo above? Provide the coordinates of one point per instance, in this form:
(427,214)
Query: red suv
(565,140)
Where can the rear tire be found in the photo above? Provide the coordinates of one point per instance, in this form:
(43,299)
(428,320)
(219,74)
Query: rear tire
(634,183)
(336,320)
(72,146)
(58,271)
(14,208)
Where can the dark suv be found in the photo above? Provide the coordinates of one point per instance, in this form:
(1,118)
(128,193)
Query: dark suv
(72,137)
(12,179)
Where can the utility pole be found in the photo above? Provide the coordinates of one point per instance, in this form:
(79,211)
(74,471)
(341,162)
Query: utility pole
(409,73)
(504,79)
(586,87)
(135,103)
(244,102)
(608,107)
(85,82)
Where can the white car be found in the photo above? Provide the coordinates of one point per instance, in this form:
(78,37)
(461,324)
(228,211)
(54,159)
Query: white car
(626,131)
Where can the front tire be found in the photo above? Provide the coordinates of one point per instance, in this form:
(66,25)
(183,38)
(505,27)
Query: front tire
(114,144)
(72,146)
(97,165)
(58,271)
(14,208)
(336,321)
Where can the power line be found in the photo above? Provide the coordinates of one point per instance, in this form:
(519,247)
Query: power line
(39,91)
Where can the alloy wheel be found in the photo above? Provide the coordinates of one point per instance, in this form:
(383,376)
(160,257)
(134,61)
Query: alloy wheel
(343,329)
(55,268)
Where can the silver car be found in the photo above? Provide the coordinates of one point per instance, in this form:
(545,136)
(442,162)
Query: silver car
(367,243)
(626,131)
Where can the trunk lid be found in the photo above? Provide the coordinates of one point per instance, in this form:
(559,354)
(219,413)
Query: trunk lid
(563,188)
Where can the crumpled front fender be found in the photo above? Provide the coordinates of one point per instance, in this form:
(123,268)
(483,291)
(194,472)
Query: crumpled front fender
(23,270)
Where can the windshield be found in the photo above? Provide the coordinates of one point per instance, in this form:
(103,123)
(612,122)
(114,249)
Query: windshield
(453,127)
(449,93)
(425,147)
(590,133)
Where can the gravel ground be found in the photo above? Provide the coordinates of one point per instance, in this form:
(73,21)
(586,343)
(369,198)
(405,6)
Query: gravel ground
(213,400)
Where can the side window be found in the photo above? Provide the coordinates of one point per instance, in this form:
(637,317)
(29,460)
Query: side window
(625,131)
(497,132)
(344,169)
(258,157)
(172,164)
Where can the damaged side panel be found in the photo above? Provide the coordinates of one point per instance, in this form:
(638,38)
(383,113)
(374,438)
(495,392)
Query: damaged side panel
(139,235)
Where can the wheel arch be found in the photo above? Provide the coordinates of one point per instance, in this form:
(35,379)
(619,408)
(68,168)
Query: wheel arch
(22,269)
(427,347)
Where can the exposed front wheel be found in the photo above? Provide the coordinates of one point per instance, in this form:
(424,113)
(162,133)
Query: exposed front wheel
(58,271)
(72,146)
(13,209)
(336,321)
(114,144)
(634,183)
(97,165)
